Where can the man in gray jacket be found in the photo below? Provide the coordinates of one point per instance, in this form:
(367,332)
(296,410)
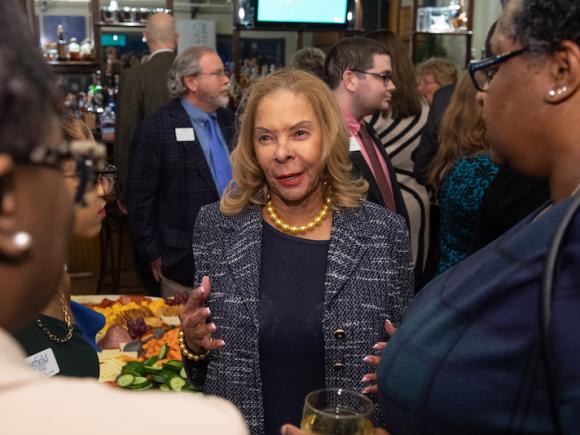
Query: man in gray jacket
(143,88)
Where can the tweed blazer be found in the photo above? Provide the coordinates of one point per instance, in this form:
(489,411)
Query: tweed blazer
(168,182)
(369,278)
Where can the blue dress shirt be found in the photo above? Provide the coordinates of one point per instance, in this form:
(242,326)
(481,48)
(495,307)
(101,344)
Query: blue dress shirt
(200,122)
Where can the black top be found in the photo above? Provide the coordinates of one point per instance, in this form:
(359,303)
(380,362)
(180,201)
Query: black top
(509,198)
(290,340)
(76,357)
(427,148)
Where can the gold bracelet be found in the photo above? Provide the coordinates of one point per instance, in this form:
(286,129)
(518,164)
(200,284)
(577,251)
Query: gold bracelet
(186,352)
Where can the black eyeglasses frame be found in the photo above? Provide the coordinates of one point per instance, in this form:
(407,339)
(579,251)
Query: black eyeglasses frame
(489,62)
(384,77)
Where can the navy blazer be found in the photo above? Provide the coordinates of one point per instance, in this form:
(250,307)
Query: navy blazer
(369,278)
(362,169)
(168,182)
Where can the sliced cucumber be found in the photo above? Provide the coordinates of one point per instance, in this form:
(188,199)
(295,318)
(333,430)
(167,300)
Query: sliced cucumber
(158,378)
(151,361)
(183,373)
(152,369)
(125,380)
(176,383)
(163,351)
(164,387)
(147,386)
(173,364)
(140,381)
(188,387)
(134,367)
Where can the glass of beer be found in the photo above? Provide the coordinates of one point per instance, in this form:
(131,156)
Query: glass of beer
(337,412)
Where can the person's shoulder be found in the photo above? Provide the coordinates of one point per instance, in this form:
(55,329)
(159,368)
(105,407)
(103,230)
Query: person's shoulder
(375,217)
(225,114)
(210,214)
(163,113)
(212,415)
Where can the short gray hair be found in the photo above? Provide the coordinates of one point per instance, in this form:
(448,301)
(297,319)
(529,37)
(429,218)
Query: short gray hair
(186,64)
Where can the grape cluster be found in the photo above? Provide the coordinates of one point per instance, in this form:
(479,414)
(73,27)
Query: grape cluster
(178,298)
(137,327)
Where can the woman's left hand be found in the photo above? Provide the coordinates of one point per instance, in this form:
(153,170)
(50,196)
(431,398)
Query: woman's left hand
(374,360)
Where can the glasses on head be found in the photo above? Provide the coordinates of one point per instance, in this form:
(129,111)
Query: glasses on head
(89,159)
(483,71)
(385,77)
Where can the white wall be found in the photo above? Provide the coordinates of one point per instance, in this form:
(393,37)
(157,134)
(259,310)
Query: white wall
(486,12)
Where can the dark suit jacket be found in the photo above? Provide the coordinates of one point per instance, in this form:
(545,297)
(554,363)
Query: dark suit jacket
(369,278)
(429,144)
(360,168)
(510,197)
(168,182)
(142,90)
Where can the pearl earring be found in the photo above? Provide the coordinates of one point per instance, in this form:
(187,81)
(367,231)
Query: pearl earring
(552,93)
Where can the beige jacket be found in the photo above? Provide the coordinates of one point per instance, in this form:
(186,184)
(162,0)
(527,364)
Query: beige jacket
(30,404)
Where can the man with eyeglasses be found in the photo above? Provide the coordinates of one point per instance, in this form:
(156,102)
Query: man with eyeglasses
(358,70)
(179,162)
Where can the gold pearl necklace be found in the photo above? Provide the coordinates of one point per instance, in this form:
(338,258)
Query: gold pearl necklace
(293,229)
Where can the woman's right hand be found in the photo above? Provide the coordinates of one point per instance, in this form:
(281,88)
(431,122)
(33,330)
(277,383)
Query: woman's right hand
(196,330)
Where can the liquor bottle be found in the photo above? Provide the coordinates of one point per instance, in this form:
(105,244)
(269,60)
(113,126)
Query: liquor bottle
(60,43)
(74,49)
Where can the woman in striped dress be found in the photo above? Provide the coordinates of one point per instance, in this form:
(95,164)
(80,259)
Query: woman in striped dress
(400,132)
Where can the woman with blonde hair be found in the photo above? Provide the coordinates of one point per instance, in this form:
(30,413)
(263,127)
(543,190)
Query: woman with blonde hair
(400,132)
(433,74)
(461,171)
(304,272)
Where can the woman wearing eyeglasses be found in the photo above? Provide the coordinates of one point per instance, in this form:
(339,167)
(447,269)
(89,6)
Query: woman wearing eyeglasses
(65,327)
(469,357)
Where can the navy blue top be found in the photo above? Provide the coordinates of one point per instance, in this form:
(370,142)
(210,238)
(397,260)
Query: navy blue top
(467,358)
(89,321)
(290,340)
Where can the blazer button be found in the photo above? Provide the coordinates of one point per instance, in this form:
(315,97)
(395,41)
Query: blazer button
(339,333)
(338,366)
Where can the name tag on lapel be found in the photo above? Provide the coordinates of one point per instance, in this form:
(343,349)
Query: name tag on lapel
(353,144)
(43,362)
(184,134)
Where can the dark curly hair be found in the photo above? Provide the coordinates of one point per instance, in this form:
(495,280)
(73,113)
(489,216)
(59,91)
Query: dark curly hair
(28,93)
(542,25)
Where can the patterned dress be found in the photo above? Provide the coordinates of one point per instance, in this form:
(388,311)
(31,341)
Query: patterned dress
(460,197)
(400,137)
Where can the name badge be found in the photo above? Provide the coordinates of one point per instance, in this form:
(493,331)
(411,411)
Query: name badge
(353,144)
(43,362)
(184,134)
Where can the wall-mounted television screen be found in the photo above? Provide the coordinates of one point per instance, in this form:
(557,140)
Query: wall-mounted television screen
(307,14)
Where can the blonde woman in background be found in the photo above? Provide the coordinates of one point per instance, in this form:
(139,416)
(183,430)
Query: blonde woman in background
(432,74)
(400,132)
(461,171)
(294,249)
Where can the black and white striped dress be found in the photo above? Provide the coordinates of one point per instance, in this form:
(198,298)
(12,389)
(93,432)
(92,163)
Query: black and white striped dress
(400,137)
